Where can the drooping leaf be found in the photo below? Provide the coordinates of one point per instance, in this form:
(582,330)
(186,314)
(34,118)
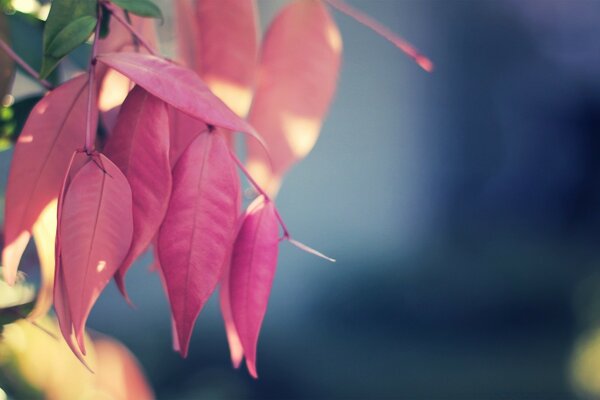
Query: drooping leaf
(96,229)
(299,66)
(197,232)
(226,49)
(143,8)
(54,129)
(71,36)
(253,264)
(139,146)
(62,14)
(178,86)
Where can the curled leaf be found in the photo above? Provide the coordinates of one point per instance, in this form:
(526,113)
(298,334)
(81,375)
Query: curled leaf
(253,264)
(197,233)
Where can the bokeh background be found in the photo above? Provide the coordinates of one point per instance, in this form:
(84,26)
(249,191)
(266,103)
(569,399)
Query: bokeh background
(463,208)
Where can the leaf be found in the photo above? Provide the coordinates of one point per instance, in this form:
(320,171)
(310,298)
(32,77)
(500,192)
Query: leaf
(54,129)
(226,49)
(143,8)
(95,230)
(299,66)
(178,86)
(71,36)
(253,264)
(62,13)
(197,232)
(139,146)
(186,29)
(183,130)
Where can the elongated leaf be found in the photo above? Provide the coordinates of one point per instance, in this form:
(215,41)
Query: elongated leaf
(178,86)
(71,36)
(143,8)
(54,129)
(139,146)
(253,266)
(197,232)
(62,13)
(227,49)
(299,66)
(96,229)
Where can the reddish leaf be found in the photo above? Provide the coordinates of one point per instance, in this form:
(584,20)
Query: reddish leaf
(54,129)
(252,270)
(139,146)
(226,49)
(95,233)
(197,232)
(233,339)
(299,66)
(184,129)
(186,32)
(178,86)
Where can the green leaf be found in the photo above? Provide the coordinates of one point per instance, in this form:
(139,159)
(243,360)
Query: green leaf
(143,8)
(105,22)
(62,14)
(71,36)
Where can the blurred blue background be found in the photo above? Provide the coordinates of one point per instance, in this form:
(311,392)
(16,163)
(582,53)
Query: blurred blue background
(463,208)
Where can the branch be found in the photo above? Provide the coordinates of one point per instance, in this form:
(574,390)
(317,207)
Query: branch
(26,67)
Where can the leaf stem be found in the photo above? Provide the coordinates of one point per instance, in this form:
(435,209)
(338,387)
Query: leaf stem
(26,67)
(113,10)
(89,135)
(343,7)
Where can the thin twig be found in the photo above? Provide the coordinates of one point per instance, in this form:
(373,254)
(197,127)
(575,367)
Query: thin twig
(26,67)
(128,26)
(89,140)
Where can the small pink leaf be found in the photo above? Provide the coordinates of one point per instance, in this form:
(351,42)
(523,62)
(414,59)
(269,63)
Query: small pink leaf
(96,228)
(54,129)
(178,86)
(226,49)
(253,266)
(299,66)
(139,146)
(197,232)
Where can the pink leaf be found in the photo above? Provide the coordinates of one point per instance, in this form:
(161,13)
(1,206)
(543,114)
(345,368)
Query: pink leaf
(252,271)
(186,31)
(226,49)
(233,339)
(139,146)
(178,86)
(184,129)
(54,129)
(197,232)
(95,231)
(299,66)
